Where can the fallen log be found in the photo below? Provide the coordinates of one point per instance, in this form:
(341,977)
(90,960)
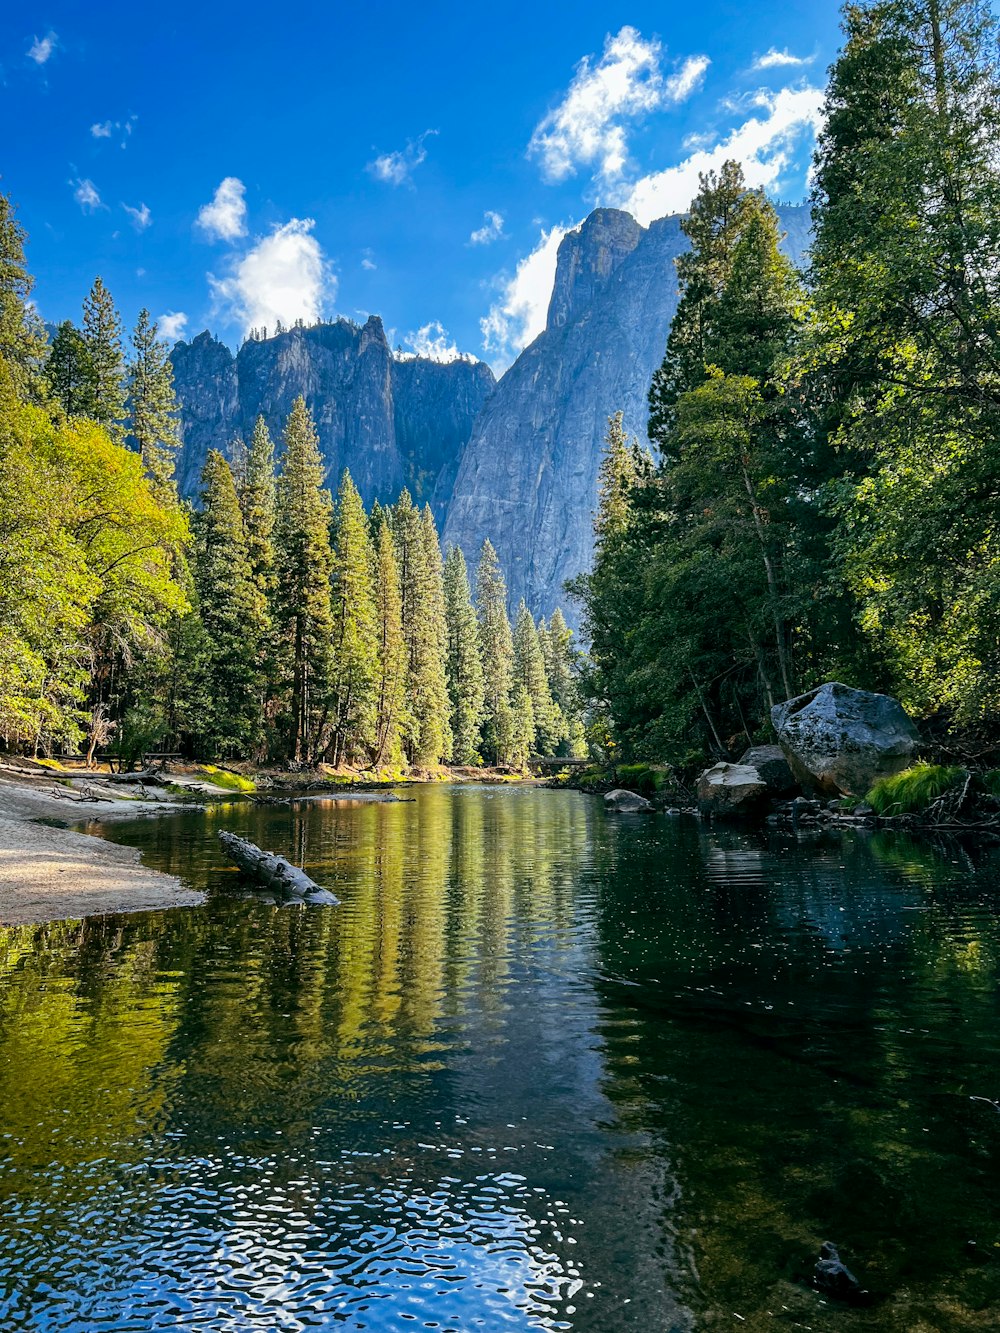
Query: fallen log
(273,871)
(146,777)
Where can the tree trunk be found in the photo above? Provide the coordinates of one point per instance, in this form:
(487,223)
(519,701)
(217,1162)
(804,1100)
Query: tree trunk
(273,871)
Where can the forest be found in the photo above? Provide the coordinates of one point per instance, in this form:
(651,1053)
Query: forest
(272,622)
(822,502)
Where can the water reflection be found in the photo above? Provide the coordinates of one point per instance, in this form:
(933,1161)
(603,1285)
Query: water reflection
(542,1069)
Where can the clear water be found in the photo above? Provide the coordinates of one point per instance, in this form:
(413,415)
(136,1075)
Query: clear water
(542,1069)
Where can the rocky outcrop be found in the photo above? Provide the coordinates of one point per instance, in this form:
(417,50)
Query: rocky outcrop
(773,767)
(394,422)
(732,791)
(624,802)
(839,741)
(528,477)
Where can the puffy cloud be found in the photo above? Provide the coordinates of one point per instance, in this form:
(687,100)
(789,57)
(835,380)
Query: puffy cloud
(42,48)
(87,196)
(398,167)
(224,219)
(587,127)
(491,230)
(284,276)
(367,263)
(141,216)
(102,130)
(764,145)
(518,317)
(688,79)
(432,341)
(775,59)
(171,326)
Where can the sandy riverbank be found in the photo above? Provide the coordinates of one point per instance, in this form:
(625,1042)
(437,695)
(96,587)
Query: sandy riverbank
(51,874)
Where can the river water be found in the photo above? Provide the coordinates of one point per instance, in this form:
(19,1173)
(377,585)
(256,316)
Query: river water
(543,1068)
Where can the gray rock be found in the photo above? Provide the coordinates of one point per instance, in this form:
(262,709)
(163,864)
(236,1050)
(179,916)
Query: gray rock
(624,802)
(393,421)
(832,1276)
(729,791)
(528,476)
(771,764)
(841,740)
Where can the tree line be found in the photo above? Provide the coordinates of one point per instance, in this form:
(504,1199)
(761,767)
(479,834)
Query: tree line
(823,502)
(272,622)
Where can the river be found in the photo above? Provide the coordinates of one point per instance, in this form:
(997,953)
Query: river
(543,1068)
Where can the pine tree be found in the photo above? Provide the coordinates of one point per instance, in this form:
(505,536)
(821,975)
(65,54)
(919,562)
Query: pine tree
(303,561)
(529,670)
(355,672)
(465,668)
(391,721)
(257,501)
(153,405)
(102,332)
(232,613)
(22,340)
(713,226)
(496,650)
(70,373)
(432,703)
(522,734)
(561,665)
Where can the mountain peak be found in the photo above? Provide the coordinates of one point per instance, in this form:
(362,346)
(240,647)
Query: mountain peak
(587,257)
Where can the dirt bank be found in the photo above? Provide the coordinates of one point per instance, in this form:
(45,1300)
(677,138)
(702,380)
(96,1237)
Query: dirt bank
(50,874)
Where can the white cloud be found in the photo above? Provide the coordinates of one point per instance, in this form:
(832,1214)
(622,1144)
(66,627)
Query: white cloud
(41,48)
(141,216)
(688,79)
(284,276)
(491,230)
(171,326)
(87,196)
(224,219)
(518,317)
(431,341)
(368,261)
(775,59)
(102,130)
(397,168)
(763,145)
(586,128)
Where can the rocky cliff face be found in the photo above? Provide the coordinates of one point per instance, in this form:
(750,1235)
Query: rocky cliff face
(393,423)
(528,476)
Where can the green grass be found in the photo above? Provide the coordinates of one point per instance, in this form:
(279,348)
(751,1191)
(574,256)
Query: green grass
(913,790)
(222,777)
(991,781)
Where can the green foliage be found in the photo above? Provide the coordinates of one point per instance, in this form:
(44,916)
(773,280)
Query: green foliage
(102,336)
(496,651)
(355,671)
(142,729)
(152,405)
(225,777)
(464,665)
(22,339)
(548,723)
(70,371)
(913,790)
(391,710)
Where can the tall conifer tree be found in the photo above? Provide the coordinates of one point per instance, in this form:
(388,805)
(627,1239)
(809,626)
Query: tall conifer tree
(22,340)
(153,404)
(431,702)
(102,332)
(529,671)
(355,673)
(391,722)
(69,371)
(496,648)
(304,561)
(465,668)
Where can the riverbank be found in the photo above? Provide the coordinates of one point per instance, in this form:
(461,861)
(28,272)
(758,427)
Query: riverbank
(54,874)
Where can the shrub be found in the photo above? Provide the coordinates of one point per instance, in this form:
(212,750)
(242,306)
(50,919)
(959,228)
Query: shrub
(913,790)
(224,777)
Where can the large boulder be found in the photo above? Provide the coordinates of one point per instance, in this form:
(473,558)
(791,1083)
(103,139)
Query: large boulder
(731,791)
(771,764)
(839,741)
(624,802)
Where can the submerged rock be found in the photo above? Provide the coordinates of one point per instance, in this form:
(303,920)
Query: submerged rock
(626,802)
(841,740)
(731,791)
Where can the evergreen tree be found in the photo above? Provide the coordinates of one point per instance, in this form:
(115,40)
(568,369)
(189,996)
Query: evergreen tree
(70,372)
(22,340)
(391,721)
(303,564)
(465,669)
(529,670)
(431,702)
(232,613)
(355,673)
(561,666)
(258,507)
(522,732)
(713,226)
(102,333)
(496,651)
(153,405)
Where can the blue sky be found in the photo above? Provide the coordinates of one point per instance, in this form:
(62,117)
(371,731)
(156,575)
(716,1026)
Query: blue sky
(226,166)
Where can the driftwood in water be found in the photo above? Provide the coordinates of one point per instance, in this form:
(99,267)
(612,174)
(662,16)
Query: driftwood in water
(273,871)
